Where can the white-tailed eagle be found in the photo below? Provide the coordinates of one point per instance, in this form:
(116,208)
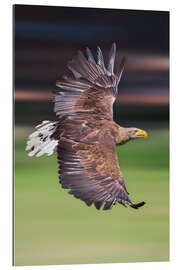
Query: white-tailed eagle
(85,135)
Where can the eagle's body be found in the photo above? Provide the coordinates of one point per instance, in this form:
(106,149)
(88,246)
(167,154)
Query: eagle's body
(85,135)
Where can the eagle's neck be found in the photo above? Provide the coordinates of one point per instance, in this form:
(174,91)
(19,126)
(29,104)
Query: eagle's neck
(121,134)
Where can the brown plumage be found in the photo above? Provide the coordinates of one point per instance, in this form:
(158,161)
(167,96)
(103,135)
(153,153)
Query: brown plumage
(86,135)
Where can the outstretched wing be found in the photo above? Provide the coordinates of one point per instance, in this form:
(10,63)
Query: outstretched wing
(93,87)
(86,150)
(89,166)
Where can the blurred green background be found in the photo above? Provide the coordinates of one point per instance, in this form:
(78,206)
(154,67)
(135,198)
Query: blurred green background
(52,227)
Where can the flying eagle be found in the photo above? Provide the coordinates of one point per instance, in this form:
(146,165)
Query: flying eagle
(85,135)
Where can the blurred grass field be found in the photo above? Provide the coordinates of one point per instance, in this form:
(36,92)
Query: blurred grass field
(52,227)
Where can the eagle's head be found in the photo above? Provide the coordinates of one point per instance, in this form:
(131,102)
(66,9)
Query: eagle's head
(136,133)
(126,134)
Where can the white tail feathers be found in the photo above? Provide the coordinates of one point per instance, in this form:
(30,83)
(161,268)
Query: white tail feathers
(39,142)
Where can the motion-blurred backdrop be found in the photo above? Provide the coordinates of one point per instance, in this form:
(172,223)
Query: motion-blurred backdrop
(51,227)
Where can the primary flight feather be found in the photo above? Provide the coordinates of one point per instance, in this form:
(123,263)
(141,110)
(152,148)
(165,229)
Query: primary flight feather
(85,135)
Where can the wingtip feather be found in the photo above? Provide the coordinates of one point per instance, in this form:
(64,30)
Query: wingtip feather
(137,205)
(112,56)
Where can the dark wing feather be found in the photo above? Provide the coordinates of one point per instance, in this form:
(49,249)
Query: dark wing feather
(90,57)
(88,164)
(92,81)
(112,55)
(101,60)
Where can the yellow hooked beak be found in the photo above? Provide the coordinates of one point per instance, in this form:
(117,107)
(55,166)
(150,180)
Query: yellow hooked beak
(141,134)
